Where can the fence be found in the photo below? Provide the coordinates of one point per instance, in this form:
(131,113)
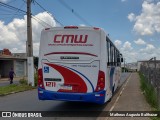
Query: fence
(151,70)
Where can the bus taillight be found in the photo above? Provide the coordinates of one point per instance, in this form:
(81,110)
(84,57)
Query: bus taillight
(40,79)
(101,81)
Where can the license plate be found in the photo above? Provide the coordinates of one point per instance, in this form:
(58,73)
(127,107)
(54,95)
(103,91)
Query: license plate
(66,87)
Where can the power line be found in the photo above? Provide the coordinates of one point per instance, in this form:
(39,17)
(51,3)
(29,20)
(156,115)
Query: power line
(17,11)
(11,7)
(42,22)
(74,12)
(4,10)
(12,1)
(48,12)
(39,22)
(40,5)
(11,14)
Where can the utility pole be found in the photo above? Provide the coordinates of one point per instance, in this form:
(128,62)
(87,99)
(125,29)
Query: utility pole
(29,45)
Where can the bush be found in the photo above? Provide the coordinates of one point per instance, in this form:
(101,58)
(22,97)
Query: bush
(36,79)
(23,81)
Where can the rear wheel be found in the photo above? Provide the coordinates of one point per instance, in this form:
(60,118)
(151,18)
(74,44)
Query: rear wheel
(110,99)
(113,90)
(112,94)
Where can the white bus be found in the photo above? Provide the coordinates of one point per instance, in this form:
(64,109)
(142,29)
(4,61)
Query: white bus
(77,64)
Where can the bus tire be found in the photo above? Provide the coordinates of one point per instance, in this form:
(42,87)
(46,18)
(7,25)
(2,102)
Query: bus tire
(110,99)
(113,90)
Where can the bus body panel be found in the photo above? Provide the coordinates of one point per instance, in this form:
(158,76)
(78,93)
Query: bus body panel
(96,97)
(72,77)
(70,62)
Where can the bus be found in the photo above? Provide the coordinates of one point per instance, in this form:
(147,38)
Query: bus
(77,64)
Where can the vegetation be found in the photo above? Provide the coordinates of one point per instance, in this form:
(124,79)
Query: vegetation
(36,79)
(149,93)
(23,81)
(124,69)
(5,90)
(23,86)
(36,62)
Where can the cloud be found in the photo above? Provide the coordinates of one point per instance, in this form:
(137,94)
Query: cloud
(82,25)
(131,17)
(149,1)
(117,43)
(148,52)
(4,1)
(148,22)
(149,49)
(14,35)
(123,0)
(127,51)
(127,46)
(140,42)
(132,54)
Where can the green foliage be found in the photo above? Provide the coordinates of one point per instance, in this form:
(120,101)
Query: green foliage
(36,79)
(23,81)
(36,62)
(124,69)
(149,91)
(4,90)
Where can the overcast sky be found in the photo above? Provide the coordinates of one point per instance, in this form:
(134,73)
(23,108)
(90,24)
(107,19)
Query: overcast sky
(133,25)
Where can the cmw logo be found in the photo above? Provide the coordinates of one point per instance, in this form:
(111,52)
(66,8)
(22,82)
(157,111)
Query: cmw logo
(70,38)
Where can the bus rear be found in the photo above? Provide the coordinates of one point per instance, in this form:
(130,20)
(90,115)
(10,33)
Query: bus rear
(70,65)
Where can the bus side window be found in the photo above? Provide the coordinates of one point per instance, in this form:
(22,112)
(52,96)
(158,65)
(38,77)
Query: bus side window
(113,54)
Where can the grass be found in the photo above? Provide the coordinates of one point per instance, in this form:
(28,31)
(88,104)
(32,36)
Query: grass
(149,93)
(23,86)
(4,90)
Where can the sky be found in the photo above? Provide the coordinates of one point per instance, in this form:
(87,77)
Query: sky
(133,25)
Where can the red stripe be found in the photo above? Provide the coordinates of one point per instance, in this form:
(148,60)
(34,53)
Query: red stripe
(81,53)
(70,78)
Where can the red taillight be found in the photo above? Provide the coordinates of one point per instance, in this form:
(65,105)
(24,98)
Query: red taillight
(101,81)
(40,79)
(71,27)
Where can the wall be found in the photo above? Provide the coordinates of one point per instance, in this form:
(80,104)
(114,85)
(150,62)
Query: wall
(20,68)
(5,66)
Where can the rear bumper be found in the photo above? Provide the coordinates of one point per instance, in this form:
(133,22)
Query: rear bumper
(96,97)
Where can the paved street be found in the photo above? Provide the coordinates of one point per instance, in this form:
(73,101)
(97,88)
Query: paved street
(5,83)
(131,99)
(28,101)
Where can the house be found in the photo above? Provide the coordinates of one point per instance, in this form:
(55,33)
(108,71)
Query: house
(17,61)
